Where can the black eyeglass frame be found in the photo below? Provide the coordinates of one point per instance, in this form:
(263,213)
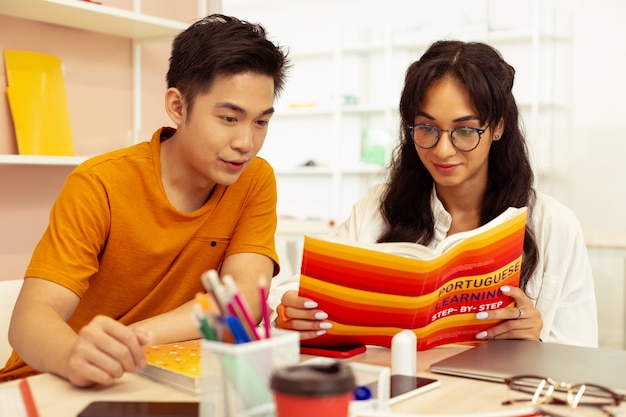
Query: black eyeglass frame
(612,398)
(450,131)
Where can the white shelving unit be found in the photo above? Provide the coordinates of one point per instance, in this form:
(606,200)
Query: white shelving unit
(363,61)
(94,17)
(139,27)
(339,177)
(41,160)
(29,184)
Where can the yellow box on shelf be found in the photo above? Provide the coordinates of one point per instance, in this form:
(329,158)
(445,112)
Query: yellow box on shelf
(38,102)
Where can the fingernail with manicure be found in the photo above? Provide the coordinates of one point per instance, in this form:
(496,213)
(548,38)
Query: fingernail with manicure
(321,315)
(482,315)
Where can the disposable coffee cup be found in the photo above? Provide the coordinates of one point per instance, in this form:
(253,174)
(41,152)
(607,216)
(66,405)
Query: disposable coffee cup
(313,390)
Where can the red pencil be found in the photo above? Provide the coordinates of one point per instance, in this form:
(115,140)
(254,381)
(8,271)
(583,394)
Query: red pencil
(242,308)
(264,308)
(27,397)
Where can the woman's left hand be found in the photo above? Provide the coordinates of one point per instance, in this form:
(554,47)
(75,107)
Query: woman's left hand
(520,322)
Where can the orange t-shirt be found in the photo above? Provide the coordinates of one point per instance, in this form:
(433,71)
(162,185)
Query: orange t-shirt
(116,241)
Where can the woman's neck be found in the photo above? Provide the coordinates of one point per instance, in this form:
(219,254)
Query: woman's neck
(464,206)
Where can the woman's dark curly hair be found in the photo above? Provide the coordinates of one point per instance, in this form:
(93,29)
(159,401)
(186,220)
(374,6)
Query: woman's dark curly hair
(489,80)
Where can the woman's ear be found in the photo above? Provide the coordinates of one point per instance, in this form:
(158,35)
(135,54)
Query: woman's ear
(499,130)
(175,106)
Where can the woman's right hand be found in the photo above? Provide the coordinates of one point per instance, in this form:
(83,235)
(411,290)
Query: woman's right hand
(301,314)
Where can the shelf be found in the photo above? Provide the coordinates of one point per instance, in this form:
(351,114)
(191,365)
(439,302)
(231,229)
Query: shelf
(41,160)
(289,226)
(94,17)
(326,170)
(308,53)
(364,48)
(364,170)
(601,239)
(312,110)
(328,111)
(364,108)
(421,42)
(542,105)
(348,109)
(350,48)
(319,170)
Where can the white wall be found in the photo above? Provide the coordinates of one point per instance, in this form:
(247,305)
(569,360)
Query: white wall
(590,174)
(590,169)
(580,156)
(586,169)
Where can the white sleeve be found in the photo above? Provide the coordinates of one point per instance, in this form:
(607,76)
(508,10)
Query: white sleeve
(279,286)
(563,286)
(363,225)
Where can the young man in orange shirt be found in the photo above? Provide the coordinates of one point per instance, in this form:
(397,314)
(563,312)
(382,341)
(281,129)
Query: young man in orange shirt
(133,230)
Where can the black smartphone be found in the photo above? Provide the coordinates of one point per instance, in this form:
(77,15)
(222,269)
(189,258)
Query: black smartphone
(340,352)
(405,386)
(140,409)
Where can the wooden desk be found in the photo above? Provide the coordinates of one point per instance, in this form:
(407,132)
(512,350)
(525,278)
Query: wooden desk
(55,397)
(455,395)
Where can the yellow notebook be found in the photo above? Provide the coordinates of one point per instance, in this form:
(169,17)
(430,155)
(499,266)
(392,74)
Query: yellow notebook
(174,364)
(36,93)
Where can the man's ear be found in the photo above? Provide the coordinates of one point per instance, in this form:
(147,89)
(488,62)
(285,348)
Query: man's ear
(175,105)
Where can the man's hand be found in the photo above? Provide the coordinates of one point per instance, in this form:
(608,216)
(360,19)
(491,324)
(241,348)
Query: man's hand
(104,350)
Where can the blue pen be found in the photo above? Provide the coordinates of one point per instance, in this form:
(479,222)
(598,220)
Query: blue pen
(236,328)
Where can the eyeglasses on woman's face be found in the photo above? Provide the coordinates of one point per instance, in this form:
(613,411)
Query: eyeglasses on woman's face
(463,138)
(551,396)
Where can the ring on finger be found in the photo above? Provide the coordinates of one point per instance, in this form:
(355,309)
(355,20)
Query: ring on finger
(281,313)
(521,313)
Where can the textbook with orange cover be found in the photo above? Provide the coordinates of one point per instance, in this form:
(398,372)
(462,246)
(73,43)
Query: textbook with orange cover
(175,364)
(372,291)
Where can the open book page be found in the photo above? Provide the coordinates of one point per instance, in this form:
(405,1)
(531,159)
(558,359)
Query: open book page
(371,294)
(415,250)
(508,214)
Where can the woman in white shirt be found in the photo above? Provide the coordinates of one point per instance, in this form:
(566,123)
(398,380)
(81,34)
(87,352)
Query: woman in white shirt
(461,161)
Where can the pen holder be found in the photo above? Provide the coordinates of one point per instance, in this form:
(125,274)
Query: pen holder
(235,378)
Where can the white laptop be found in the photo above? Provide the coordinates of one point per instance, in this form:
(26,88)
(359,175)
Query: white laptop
(500,359)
